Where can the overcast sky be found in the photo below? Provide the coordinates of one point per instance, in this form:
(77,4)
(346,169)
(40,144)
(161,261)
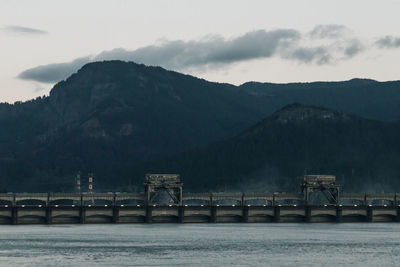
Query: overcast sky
(43,42)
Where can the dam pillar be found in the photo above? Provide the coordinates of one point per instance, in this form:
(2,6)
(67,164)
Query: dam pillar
(48,210)
(48,215)
(115,214)
(277,213)
(245,214)
(82,214)
(181,214)
(14,215)
(307,213)
(213,217)
(339,213)
(370,214)
(149,214)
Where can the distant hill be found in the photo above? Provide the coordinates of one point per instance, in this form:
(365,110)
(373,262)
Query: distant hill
(296,140)
(113,116)
(363,97)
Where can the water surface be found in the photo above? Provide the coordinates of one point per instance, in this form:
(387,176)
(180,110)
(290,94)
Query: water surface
(323,244)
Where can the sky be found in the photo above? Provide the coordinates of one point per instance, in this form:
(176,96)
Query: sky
(45,41)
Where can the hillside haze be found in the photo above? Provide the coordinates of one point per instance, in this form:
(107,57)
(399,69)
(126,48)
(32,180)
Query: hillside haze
(112,117)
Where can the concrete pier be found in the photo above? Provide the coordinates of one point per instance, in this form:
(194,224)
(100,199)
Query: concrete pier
(339,214)
(149,215)
(277,214)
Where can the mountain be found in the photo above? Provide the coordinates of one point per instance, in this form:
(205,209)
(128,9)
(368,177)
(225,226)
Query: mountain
(111,117)
(363,97)
(298,139)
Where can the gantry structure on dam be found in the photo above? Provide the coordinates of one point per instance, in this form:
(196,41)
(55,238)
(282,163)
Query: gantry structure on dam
(164,200)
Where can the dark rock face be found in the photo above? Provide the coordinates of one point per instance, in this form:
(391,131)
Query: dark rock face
(298,113)
(111,117)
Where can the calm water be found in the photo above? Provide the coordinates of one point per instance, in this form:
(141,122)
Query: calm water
(201,244)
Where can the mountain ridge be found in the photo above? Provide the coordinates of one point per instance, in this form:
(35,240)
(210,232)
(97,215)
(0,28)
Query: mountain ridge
(112,116)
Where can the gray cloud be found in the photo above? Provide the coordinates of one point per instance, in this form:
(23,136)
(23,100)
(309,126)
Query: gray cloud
(53,72)
(319,55)
(328,31)
(23,30)
(215,51)
(388,42)
(178,54)
(353,48)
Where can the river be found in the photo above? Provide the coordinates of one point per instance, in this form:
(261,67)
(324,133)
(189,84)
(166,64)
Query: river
(292,244)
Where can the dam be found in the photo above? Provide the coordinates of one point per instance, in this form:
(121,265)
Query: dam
(182,207)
